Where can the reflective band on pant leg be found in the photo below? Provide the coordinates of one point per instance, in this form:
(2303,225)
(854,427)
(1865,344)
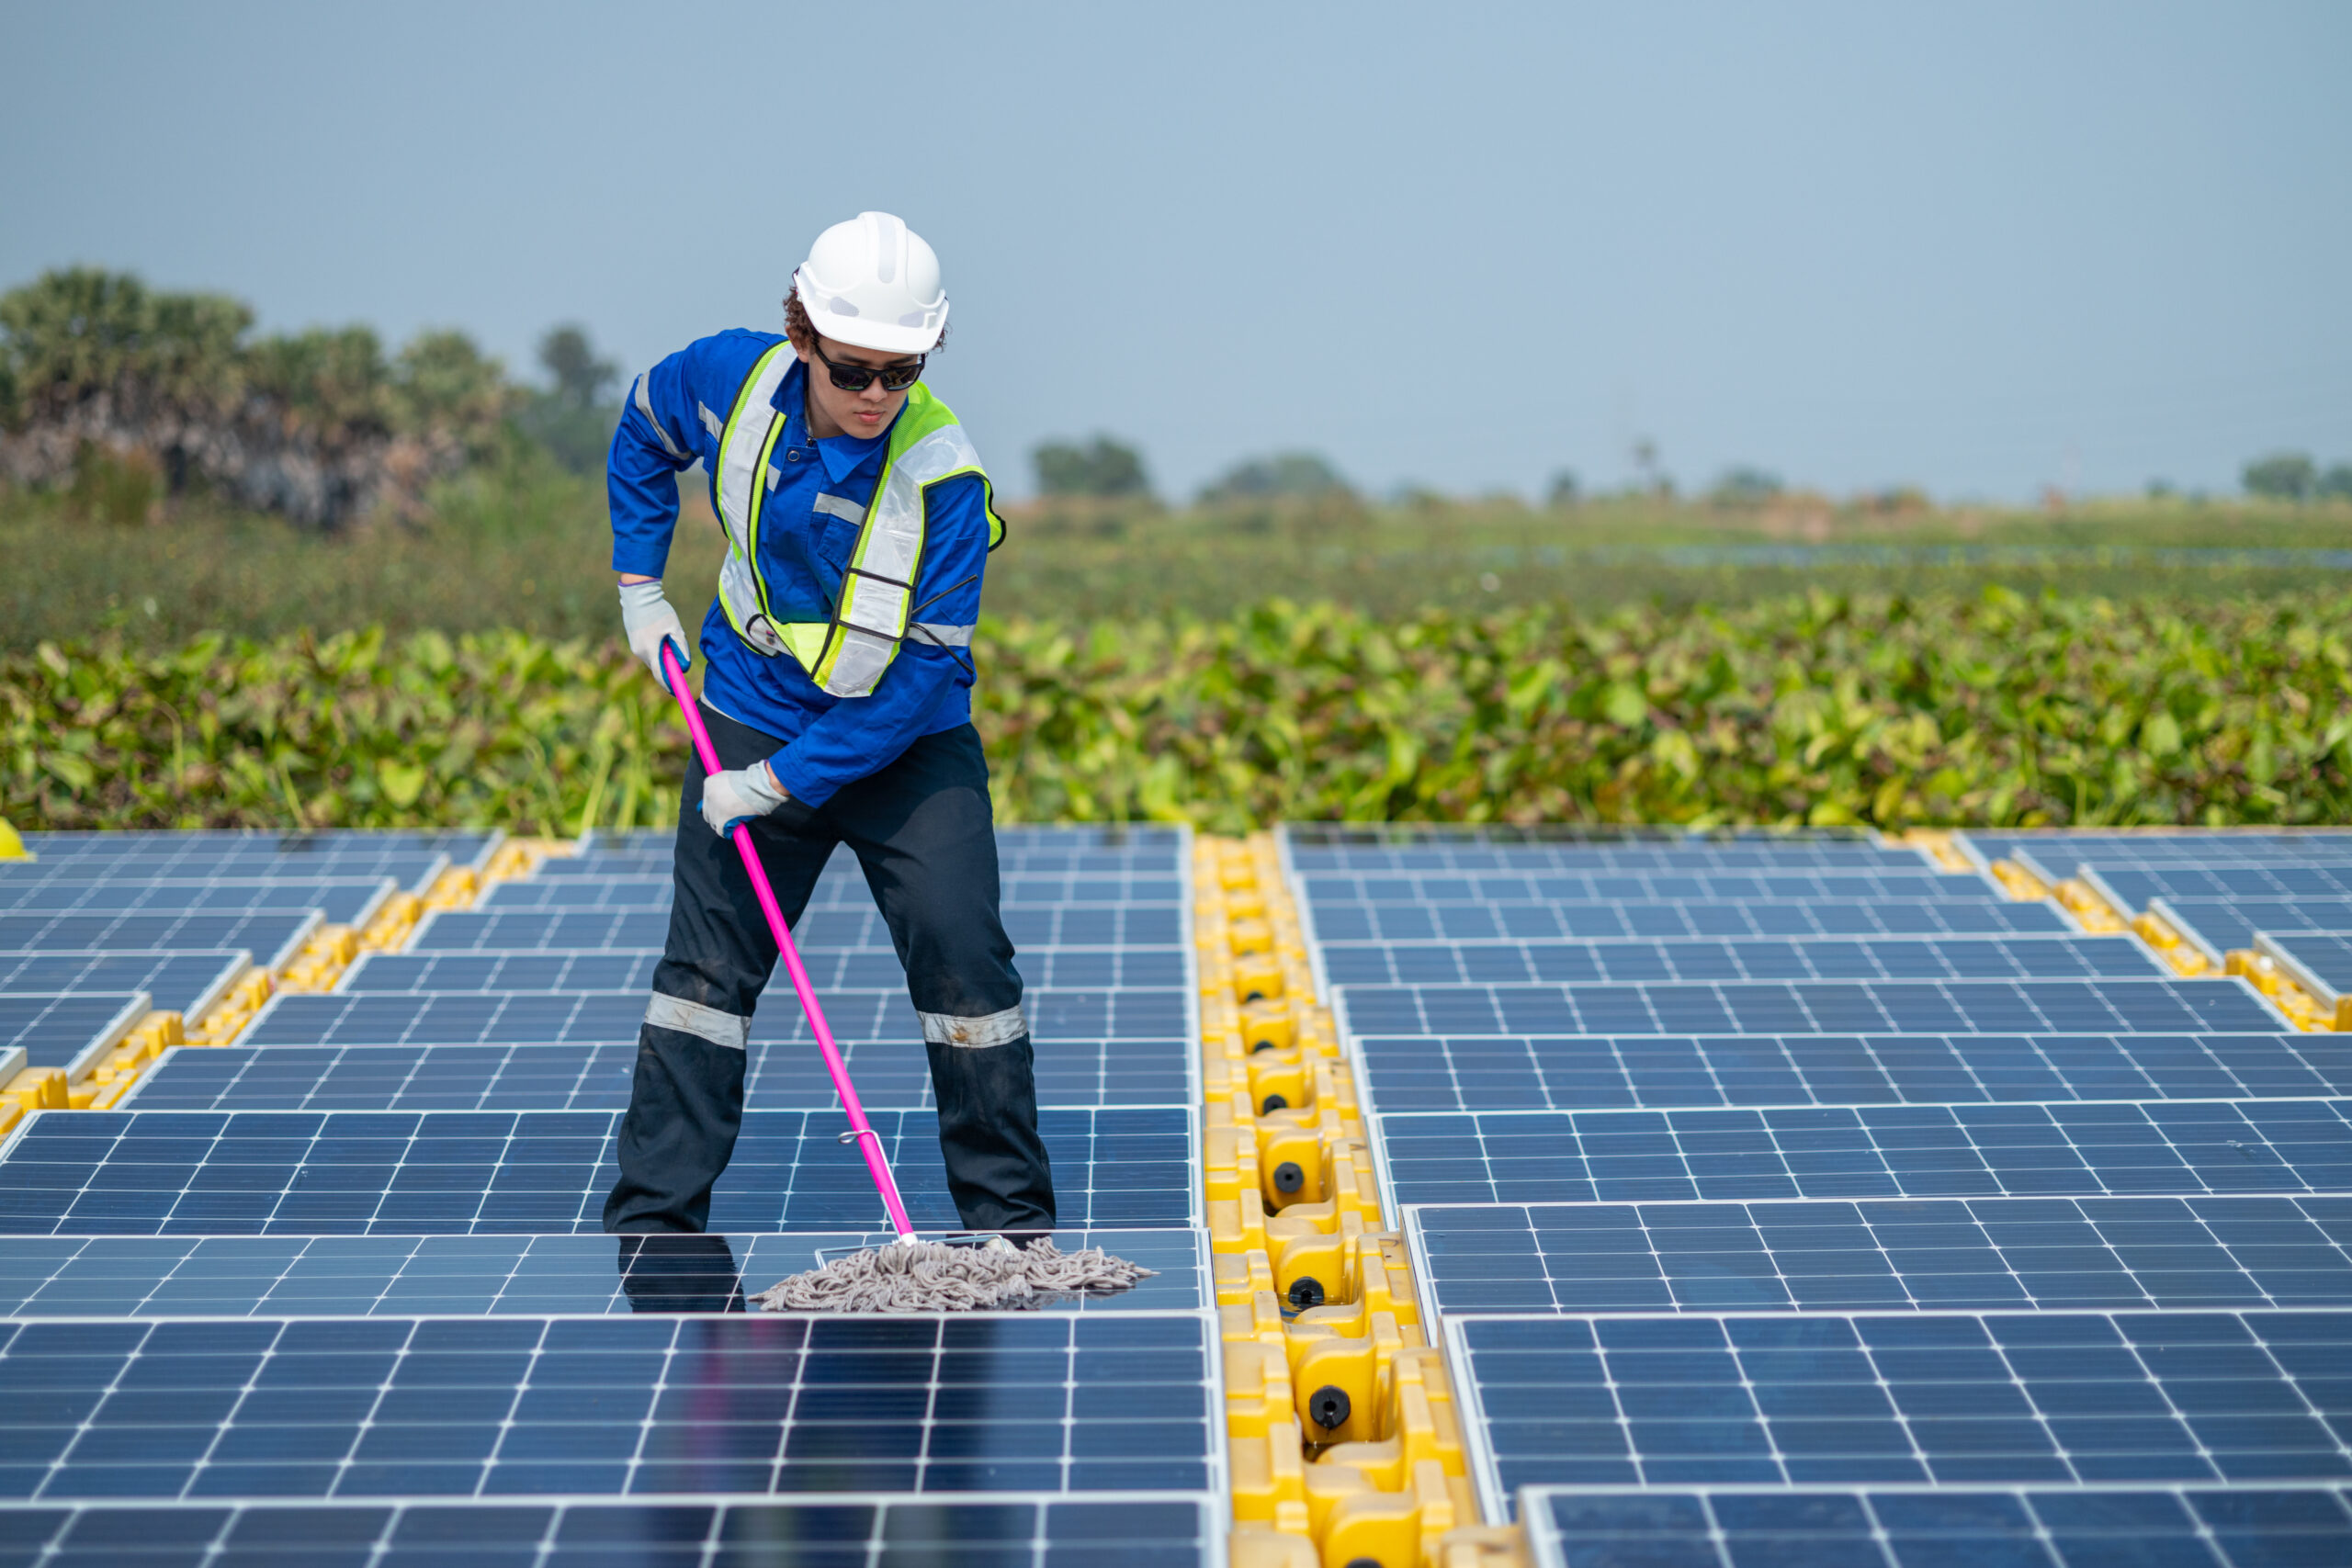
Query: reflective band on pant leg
(706,1023)
(995,1028)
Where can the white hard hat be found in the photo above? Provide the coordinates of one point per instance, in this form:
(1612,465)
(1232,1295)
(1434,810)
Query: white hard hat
(873,283)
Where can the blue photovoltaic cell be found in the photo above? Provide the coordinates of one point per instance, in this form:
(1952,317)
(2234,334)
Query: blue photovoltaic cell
(2248,1527)
(897,1072)
(1505,1072)
(2180,1148)
(175,980)
(1005,1529)
(418,1407)
(1339,920)
(54,1030)
(1829,1007)
(138,1173)
(347,902)
(1886,958)
(1829,1257)
(2046,1397)
(271,937)
(426,1274)
(593,1018)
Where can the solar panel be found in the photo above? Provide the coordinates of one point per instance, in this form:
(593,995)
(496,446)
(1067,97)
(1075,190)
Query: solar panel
(1568,885)
(2144,1527)
(1952,1007)
(2321,960)
(414,858)
(272,937)
(2135,887)
(145,1173)
(1886,958)
(477,1405)
(2180,1148)
(401,1018)
(1506,1071)
(1834,1255)
(65,1030)
(1344,920)
(895,1073)
(375,1275)
(1315,848)
(2237,847)
(2218,926)
(1006,1529)
(350,902)
(830,969)
(2054,1397)
(184,982)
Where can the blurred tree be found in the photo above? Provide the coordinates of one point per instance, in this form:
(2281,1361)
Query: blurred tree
(1743,486)
(575,418)
(2281,476)
(1101,468)
(1565,490)
(581,378)
(1284,475)
(2336,483)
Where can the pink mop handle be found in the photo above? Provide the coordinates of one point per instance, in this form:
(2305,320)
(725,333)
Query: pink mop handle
(869,1142)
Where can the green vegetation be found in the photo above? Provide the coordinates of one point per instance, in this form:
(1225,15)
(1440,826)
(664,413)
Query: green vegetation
(1818,709)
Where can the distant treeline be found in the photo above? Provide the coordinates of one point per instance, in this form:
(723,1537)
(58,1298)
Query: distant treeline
(130,395)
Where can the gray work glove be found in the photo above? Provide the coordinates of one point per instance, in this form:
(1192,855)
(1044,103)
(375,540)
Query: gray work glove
(738,797)
(648,622)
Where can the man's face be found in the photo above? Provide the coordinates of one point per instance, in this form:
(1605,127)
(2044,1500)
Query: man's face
(866,413)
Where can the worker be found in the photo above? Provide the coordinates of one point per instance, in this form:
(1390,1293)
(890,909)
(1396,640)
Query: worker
(838,691)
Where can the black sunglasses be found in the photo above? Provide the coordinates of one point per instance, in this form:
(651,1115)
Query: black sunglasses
(858,377)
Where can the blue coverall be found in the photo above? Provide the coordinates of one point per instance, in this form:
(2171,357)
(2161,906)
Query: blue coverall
(897,775)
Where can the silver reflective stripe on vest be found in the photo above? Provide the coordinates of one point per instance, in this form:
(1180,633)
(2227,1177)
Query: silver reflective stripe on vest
(874,595)
(740,451)
(995,1028)
(645,406)
(942,634)
(703,1023)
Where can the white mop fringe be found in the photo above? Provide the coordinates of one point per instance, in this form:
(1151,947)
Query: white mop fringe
(931,1275)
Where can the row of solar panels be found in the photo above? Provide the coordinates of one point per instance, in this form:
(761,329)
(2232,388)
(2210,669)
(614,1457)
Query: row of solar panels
(1868,1260)
(182,1275)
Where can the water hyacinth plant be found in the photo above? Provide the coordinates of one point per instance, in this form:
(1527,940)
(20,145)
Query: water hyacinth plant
(1991,709)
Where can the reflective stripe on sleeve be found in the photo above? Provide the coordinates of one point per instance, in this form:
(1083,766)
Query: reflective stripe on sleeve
(995,1028)
(710,420)
(944,634)
(705,1023)
(645,406)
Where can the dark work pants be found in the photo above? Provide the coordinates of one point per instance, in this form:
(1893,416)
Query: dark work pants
(924,831)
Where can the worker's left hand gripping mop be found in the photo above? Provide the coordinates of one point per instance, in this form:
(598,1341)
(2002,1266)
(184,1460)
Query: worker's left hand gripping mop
(910,1274)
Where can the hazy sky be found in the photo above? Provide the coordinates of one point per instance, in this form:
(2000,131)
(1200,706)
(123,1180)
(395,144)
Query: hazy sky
(1982,248)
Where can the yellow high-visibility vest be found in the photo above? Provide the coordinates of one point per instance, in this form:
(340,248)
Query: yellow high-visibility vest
(847,654)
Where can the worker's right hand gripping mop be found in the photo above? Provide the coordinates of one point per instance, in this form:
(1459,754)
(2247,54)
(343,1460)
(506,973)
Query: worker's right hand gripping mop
(963,1274)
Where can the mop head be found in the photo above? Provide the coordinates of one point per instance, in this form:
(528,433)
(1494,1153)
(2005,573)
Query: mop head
(931,1276)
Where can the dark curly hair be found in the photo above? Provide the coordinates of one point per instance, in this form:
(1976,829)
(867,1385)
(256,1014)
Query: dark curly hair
(803,332)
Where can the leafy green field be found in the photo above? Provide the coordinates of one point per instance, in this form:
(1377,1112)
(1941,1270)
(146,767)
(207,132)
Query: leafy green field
(1985,708)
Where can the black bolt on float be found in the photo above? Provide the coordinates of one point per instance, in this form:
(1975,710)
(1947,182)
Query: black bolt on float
(1273,1102)
(1328,1407)
(1288,1178)
(1260,1045)
(1306,1291)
